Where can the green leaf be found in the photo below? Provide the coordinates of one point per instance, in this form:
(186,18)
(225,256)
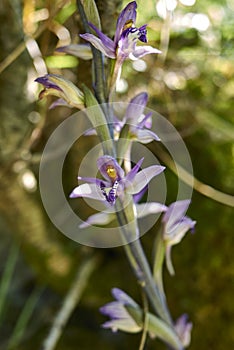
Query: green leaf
(91,12)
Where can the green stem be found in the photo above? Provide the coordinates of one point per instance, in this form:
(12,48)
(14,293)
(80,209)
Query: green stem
(140,266)
(99,82)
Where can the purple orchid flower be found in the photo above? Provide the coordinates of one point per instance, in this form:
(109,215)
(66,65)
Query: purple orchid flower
(126,315)
(116,183)
(126,35)
(139,122)
(183,329)
(175,225)
(120,319)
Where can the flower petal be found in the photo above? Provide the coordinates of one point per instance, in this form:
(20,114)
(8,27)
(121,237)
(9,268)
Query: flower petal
(125,324)
(141,51)
(144,209)
(99,44)
(136,107)
(146,121)
(145,135)
(59,102)
(183,329)
(132,173)
(143,178)
(98,219)
(123,297)
(94,180)
(48,84)
(79,50)
(127,15)
(114,309)
(88,191)
(175,235)
(105,39)
(175,213)
(137,197)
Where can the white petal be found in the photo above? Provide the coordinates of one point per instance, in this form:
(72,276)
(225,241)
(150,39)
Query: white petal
(98,219)
(88,191)
(145,209)
(143,178)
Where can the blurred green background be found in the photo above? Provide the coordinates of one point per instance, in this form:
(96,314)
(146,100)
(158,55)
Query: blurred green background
(191,84)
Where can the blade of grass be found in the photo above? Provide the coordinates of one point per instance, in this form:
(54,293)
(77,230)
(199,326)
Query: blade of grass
(6,278)
(70,302)
(23,319)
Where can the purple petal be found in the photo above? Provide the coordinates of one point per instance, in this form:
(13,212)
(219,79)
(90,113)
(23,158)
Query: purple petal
(141,51)
(105,162)
(175,213)
(94,180)
(88,191)
(59,102)
(109,44)
(136,107)
(122,297)
(137,197)
(143,178)
(132,173)
(127,15)
(45,80)
(146,121)
(183,329)
(98,43)
(143,33)
(178,231)
(114,310)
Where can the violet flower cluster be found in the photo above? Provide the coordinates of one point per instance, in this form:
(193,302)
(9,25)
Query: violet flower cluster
(121,184)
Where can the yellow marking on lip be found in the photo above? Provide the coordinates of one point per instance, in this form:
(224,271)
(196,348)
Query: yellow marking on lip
(128,24)
(111,172)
